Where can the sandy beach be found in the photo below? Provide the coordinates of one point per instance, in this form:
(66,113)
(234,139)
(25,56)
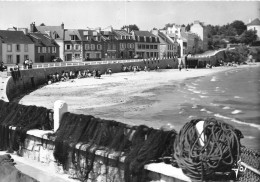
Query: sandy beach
(125,97)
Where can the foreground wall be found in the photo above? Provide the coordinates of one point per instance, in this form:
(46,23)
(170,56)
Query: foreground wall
(33,78)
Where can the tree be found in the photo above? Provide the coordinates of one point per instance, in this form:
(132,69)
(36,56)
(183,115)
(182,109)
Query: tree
(42,24)
(248,37)
(239,26)
(131,27)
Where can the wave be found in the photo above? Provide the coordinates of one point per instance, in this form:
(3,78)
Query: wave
(238,121)
(236,112)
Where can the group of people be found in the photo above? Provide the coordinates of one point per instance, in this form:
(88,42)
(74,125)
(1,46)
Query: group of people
(27,64)
(3,67)
(66,76)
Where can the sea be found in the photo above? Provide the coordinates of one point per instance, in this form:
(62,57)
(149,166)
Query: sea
(232,96)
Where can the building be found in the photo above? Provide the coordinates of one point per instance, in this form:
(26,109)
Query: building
(73,45)
(146,44)
(126,44)
(191,43)
(92,44)
(55,32)
(254,25)
(15,47)
(199,29)
(168,47)
(46,49)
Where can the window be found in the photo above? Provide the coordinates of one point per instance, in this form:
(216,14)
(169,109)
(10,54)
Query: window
(92,46)
(53,49)
(147,47)
(25,47)
(98,55)
(77,47)
(9,59)
(143,46)
(99,47)
(132,46)
(73,37)
(86,46)
(9,47)
(139,46)
(26,57)
(77,56)
(155,47)
(43,49)
(18,48)
(68,47)
(49,49)
(114,46)
(151,46)
(39,49)
(128,46)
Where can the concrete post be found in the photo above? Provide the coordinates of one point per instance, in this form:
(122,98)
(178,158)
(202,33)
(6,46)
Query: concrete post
(60,107)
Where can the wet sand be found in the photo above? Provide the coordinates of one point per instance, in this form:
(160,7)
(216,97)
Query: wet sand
(129,97)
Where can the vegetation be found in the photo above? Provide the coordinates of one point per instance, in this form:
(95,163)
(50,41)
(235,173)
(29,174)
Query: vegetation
(238,55)
(131,27)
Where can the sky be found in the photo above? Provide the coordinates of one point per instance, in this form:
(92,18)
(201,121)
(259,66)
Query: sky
(145,14)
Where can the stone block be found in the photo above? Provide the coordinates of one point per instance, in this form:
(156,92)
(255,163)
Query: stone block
(101,178)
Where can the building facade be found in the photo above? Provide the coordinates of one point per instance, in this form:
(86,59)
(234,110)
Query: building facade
(199,29)
(46,49)
(255,25)
(126,43)
(169,47)
(55,32)
(147,45)
(16,47)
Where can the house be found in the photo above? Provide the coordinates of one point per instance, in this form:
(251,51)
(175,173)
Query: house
(191,43)
(73,45)
(92,44)
(46,49)
(199,29)
(168,47)
(254,25)
(146,44)
(111,44)
(126,44)
(15,47)
(55,32)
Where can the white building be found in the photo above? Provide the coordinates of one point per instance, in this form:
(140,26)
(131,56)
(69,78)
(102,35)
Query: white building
(199,29)
(255,25)
(15,47)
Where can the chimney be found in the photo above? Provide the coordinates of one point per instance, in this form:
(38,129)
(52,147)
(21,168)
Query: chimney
(31,27)
(62,25)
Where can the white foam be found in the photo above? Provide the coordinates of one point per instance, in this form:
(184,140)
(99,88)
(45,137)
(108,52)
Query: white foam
(203,96)
(194,106)
(214,104)
(236,112)
(237,121)
(209,112)
(237,97)
(226,107)
(249,137)
(203,109)
(196,91)
(213,79)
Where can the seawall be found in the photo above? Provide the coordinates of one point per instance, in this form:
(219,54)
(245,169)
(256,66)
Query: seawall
(21,82)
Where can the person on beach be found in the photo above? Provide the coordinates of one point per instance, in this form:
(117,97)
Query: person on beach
(179,66)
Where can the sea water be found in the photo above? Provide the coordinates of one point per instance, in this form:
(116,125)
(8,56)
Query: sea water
(232,96)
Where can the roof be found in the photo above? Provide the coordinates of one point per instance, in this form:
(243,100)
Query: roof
(42,39)
(69,32)
(17,37)
(143,34)
(166,38)
(254,22)
(121,33)
(53,30)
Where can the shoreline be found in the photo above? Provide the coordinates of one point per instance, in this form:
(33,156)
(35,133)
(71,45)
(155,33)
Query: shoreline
(123,97)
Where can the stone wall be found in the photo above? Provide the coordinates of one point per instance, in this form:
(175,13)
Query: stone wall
(33,78)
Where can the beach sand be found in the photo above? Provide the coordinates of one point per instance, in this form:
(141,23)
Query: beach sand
(125,97)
